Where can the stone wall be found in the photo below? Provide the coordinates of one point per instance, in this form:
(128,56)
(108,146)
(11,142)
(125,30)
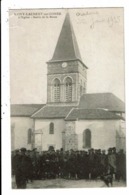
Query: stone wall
(61,77)
(71,138)
(56,68)
(75,70)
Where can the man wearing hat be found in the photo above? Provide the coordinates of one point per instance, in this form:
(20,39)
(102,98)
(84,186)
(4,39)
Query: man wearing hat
(21,169)
(112,160)
(15,160)
(121,166)
(103,162)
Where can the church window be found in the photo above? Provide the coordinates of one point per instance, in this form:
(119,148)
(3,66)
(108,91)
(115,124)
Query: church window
(68,84)
(87,138)
(51,128)
(29,135)
(56,90)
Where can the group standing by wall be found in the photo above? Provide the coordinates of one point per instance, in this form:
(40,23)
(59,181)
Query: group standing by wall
(29,165)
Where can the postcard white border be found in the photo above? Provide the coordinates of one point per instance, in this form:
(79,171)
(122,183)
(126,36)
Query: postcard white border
(19,4)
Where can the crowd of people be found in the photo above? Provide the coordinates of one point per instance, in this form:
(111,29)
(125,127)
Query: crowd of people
(29,165)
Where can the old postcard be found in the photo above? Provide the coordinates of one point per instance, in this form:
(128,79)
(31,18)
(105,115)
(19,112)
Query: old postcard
(67,98)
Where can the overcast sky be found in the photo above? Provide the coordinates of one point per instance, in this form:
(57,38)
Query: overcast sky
(100,37)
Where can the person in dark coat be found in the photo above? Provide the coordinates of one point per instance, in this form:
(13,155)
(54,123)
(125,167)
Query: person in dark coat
(72,165)
(103,162)
(16,167)
(86,165)
(35,163)
(91,163)
(21,165)
(30,167)
(121,166)
(14,156)
(112,155)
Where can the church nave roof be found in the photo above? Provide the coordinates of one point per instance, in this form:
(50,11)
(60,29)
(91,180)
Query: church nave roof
(91,114)
(49,112)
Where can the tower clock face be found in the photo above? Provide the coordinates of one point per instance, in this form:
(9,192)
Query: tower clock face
(64,64)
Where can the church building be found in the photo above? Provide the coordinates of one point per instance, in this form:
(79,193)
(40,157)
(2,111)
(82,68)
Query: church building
(71,118)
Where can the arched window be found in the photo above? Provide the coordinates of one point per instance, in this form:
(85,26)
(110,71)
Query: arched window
(68,93)
(56,90)
(87,138)
(51,128)
(29,135)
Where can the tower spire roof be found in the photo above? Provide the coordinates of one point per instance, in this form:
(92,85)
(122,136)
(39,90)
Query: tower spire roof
(67,47)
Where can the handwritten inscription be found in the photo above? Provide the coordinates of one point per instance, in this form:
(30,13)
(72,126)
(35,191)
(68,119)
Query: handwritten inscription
(93,19)
(87,13)
(110,21)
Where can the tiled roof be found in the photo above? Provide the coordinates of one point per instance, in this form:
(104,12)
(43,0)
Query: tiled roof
(91,106)
(48,112)
(91,114)
(24,109)
(67,47)
(102,100)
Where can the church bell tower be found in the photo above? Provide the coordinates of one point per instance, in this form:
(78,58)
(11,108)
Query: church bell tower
(66,73)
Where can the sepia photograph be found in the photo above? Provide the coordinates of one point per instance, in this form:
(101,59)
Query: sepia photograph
(67,98)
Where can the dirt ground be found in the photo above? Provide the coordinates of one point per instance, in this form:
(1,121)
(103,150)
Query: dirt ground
(63,183)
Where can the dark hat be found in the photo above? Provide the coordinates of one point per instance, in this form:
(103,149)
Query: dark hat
(23,149)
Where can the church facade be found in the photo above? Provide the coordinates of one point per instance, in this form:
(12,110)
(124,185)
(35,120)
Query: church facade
(71,118)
